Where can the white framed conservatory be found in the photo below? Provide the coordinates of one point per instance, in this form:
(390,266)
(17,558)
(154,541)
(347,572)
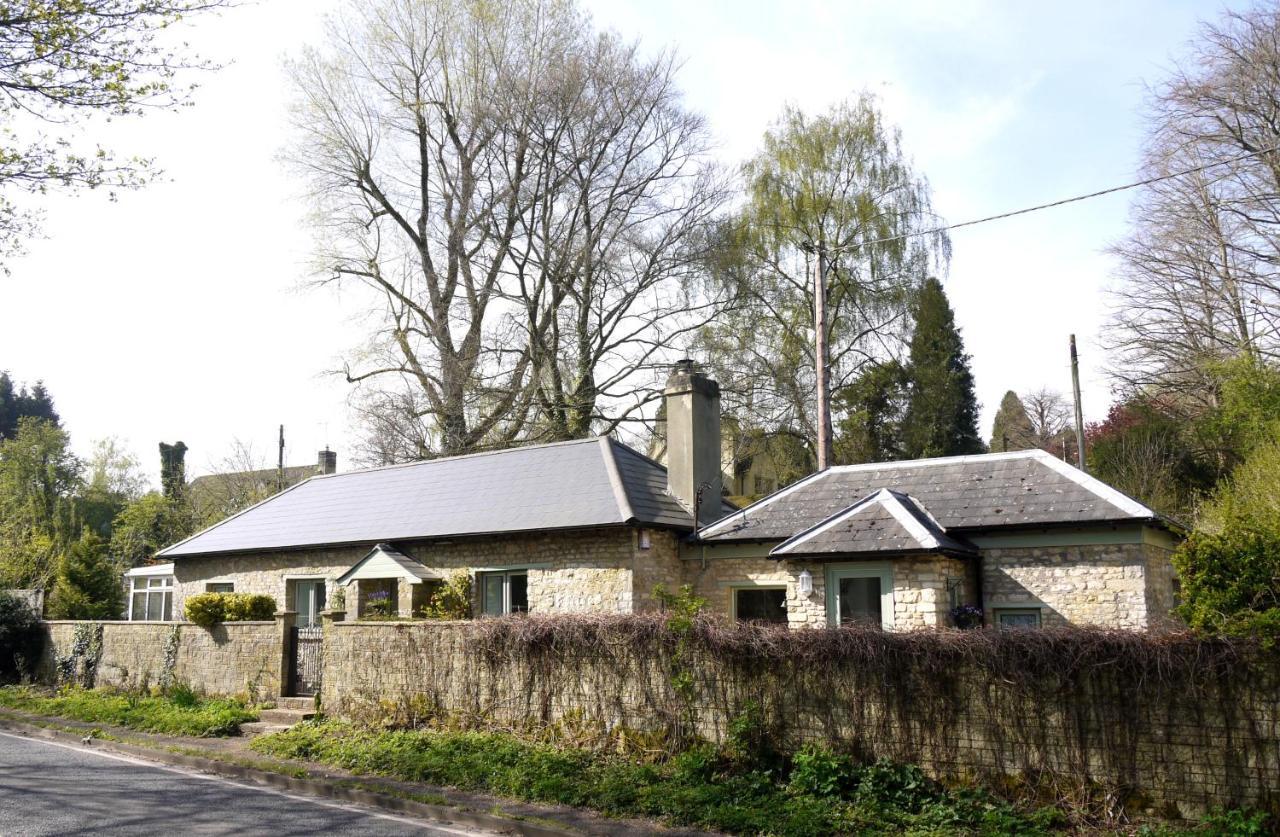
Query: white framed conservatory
(150,591)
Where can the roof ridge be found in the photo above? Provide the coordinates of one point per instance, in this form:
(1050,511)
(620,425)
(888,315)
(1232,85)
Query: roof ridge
(620,496)
(456,457)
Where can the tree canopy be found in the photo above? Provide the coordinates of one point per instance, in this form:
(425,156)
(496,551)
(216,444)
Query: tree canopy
(20,403)
(65,60)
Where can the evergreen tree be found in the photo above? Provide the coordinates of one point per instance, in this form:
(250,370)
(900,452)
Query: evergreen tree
(873,407)
(942,411)
(39,479)
(17,404)
(1013,428)
(88,585)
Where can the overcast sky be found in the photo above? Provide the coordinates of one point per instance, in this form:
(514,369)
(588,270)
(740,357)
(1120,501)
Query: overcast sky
(179,312)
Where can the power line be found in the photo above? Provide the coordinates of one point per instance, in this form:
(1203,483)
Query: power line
(1101,192)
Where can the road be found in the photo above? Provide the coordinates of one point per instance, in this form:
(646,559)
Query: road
(50,788)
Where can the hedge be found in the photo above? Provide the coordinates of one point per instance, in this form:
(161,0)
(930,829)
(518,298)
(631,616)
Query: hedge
(208,609)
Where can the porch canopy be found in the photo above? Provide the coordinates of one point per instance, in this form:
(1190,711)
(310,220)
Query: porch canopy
(384,561)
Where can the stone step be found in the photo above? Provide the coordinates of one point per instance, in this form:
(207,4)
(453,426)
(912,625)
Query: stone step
(286,716)
(261,728)
(307,704)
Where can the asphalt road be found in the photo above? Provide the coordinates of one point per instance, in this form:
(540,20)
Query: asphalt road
(48,788)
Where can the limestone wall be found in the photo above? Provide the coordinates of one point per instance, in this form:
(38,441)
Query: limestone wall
(569,572)
(1170,745)
(1117,585)
(238,658)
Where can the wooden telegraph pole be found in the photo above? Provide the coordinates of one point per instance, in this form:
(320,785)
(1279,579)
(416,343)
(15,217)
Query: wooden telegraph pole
(1075,388)
(820,355)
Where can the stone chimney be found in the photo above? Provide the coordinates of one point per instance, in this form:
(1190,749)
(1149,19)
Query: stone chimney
(693,440)
(328,463)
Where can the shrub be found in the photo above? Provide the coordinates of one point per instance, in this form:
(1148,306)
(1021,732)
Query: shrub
(208,609)
(21,638)
(88,584)
(1231,582)
(452,600)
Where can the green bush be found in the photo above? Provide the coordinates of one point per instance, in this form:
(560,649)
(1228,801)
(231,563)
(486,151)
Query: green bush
(179,713)
(452,600)
(208,609)
(1231,582)
(21,638)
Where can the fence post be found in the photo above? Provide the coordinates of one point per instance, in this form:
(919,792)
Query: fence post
(285,620)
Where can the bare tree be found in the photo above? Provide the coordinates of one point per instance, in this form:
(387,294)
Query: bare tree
(527,200)
(1198,277)
(1051,416)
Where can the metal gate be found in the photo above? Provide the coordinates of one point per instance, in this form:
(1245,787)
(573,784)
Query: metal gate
(304,679)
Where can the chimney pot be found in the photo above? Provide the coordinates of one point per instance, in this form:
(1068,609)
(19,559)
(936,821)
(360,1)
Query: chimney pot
(328,462)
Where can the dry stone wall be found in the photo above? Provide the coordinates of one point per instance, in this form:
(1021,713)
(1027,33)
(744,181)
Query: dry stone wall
(237,658)
(1155,746)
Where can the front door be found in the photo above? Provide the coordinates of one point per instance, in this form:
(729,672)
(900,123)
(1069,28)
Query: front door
(860,594)
(308,601)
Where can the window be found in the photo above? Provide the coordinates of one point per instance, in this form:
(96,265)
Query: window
(760,604)
(1025,617)
(308,601)
(220,587)
(151,599)
(860,594)
(505,592)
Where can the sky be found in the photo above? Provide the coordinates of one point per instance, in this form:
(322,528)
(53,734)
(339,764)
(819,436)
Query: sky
(183,311)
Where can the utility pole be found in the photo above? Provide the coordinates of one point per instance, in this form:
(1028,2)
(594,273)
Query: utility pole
(280,463)
(1075,388)
(820,356)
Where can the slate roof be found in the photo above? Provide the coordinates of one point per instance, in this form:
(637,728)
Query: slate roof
(987,491)
(565,485)
(885,522)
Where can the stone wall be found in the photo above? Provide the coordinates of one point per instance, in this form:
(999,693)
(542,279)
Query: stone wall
(1124,585)
(921,587)
(1176,744)
(569,572)
(237,658)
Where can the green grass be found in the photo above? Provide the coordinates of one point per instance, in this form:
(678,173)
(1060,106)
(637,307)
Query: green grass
(179,714)
(702,788)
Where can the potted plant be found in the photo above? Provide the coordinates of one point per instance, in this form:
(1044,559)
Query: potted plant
(966,616)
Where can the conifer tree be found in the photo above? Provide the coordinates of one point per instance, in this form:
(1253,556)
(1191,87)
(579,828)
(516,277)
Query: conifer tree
(942,411)
(1012,428)
(88,585)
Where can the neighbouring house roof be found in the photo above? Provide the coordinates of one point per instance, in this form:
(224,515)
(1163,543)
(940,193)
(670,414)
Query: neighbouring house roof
(263,479)
(986,491)
(884,522)
(385,561)
(565,485)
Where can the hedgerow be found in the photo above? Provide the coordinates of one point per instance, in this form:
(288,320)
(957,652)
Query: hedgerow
(209,609)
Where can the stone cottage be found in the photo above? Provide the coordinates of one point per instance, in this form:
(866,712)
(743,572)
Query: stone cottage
(594,526)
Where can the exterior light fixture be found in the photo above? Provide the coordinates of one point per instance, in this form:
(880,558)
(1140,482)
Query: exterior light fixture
(643,539)
(804,583)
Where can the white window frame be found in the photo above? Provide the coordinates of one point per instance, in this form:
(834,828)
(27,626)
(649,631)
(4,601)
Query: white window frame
(882,570)
(505,575)
(735,589)
(999,612)
(209,584)
(164,584)
(293,580)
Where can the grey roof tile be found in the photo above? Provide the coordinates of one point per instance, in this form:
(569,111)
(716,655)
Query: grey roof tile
(565,485)
(1025,488)
(883,522)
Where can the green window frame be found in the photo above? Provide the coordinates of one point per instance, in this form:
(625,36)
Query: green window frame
(504,592)
(881,570)
(1018,617)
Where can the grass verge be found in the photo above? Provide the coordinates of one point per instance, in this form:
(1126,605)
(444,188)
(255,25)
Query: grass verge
(178,713)
(817,793)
